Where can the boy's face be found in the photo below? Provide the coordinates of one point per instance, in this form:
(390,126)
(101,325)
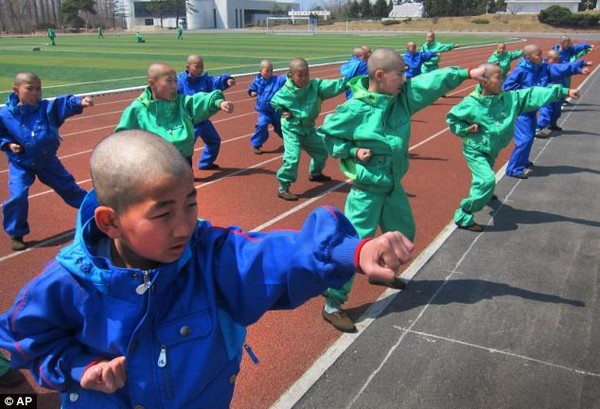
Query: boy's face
(164,86)
(501,48)
(493,85)
(430,37)
(157,229)
(564,44)
(535,57)
(301,77)
(412,48)
(266,71)
(392,80)
(195,68)
(29,92)
(552,58)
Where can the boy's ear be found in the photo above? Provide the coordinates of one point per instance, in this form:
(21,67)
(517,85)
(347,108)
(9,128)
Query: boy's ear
(106,220)
(378,74)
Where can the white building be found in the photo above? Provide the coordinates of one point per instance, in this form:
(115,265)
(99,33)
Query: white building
(534,7)
(210,13)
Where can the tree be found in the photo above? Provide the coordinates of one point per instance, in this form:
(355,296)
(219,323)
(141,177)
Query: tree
(380,9)
(354,9)
(366,10)
(70,11)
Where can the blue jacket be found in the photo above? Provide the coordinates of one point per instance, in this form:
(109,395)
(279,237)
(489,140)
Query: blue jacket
(35,128)
(180,326)
(562,74)
(572,53)
(527,75)
(188,85)
(353,68)
(414,61)
(265,89)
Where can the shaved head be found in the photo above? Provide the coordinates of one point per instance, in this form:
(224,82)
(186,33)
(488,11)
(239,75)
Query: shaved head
(124,164)
(25,77)
(489,70)
(385,59)
(192,58)
(298,64)
(358,52)
(265,64)
(530,49)
(159,69)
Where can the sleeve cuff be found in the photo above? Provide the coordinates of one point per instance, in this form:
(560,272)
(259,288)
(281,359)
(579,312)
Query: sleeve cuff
(82,363)
(357,253)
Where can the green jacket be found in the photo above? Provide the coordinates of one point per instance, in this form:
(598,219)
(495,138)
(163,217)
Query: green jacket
(305,103)
(172,120)
(381,123)
(503,60)
(436,47)
(496,115)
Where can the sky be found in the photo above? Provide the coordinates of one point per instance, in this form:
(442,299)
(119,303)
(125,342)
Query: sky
(307,4)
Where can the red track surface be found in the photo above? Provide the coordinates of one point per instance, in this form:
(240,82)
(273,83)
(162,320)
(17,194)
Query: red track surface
(244,193)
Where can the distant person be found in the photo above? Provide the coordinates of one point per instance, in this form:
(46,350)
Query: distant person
(356,66)
(299,102)
(414,60)
(431,44)
(51,36)
(191,81)
(502,58)
(264,86)
(139,38)
(179,32)
(485,122)
(568,52)
(100,31)
(29,136)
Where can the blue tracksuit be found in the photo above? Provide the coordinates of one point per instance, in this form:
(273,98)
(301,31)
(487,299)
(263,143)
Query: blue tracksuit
(572,53)
(414,61)
(353,68)
(265,89)
(548,114)
(527,75)
(35,128)
(182,333)
(188,85)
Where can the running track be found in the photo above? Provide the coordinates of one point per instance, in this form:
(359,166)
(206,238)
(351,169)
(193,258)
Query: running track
(244,193)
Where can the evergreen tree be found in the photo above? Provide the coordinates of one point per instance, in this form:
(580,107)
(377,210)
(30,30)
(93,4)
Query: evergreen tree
(380,9)
(366,10)
(354,9)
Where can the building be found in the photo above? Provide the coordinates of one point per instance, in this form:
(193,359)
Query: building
(224,14)
(407,8)
(534,7)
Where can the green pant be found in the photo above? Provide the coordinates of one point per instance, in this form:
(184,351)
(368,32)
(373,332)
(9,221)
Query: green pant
(295,140)
(4,365)
(482,186)
(367,210)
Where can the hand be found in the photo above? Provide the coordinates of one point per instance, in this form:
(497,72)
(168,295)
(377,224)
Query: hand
(226,106)
(105,376)
(87,102)
(253,94)
(574,93)
(382,257)
(363,154)
(286,114)
(15,147)
(585,71)
(456,45)
(477,73)
(589,63)
(231,82)
(473,128)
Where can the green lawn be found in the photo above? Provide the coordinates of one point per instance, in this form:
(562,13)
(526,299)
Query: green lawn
(83,63)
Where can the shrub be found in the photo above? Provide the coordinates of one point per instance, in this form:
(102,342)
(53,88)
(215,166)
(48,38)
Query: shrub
(390,22)
(554,15)
(480,21)
(583,20)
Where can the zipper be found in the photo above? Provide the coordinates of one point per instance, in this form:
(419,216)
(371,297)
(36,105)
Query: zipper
(162,363)
(142,288)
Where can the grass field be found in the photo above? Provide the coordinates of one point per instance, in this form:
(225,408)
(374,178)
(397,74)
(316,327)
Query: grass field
(83,63)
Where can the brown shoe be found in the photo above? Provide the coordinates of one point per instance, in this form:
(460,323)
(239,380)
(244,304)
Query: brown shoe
(258,151)
(397,283)
(340,321)
(11,379)
(477,228)
(17,244)
(287,195)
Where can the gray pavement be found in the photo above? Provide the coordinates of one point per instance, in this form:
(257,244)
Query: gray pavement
(508,318)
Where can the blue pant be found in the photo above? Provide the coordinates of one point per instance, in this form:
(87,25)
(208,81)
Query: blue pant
(52,174)
(261,131)
(212,143)
(548,114)
(524,136)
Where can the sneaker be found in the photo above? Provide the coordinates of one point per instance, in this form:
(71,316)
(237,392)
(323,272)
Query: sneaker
(520,176)
(542,133)
(477,228)
(318,177)
(397,283)
(17,244)
(529,165)
(287,195)
(339,320)
(258,151)
(11,379)
(555,128)
(212,166)
(494,197)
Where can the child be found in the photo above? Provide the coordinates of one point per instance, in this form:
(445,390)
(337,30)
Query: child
(530,71)
(503,58)
(299,102)
(51,36)
(139,38)
(192,81)
(485,121)
(148,307)
(29,137)
(179,32)
(356,65)
(264,86)
(435,46)
(568,52)
(370,135)
(548,115)
(172,116)
(100,32)
(413,60)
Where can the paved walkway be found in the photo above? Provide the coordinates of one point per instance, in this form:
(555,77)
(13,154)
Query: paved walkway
(508,318)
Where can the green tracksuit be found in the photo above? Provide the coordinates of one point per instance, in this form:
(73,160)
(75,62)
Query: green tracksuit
(380,123)
(503,60)
(436,47)
(299,133)
(495,115)
(172,120)
(4,365)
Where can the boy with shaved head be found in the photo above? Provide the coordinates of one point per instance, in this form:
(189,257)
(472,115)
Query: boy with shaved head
(29,137)
(148,307)
(193,80)
(431,44)
(160,109)
(264,86)
(414,60)
(299,102)
(356,65)
(502,58)
(485,122)
(370,135)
